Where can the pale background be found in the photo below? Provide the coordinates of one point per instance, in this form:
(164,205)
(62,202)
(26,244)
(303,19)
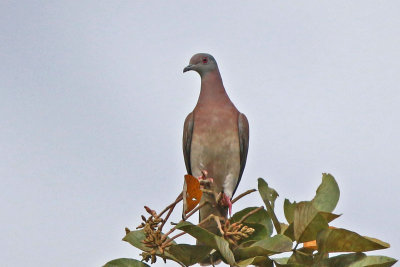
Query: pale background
(93,99)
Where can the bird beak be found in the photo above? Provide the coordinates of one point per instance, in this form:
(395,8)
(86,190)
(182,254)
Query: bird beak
(188,67)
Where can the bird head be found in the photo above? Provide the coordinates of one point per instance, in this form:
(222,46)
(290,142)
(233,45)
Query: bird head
(202,63)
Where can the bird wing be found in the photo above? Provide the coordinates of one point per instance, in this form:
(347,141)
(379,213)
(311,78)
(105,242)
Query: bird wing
(187,140)
(243,127)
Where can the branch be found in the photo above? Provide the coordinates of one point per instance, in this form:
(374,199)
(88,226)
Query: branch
(171,208)
(243,194)
(178,199)
(166,244)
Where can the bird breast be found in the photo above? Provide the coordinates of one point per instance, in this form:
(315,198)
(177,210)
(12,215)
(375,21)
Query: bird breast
(215,146)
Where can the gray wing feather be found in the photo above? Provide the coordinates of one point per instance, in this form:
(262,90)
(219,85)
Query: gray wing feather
(243,126)
(187,140)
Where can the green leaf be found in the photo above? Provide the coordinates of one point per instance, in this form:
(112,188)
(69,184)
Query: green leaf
(266,247)
(306,250)
(307,222)
(345,260)
(209,239)
(267,192)
(289,265)
(289,208)
(260,232)
(342,240)
(329,216)
(375,261)
(284,227)
(259,261)
(289,232)
(283,262)
(189,254)
(124,262)
(327,195)
(260,217)
(301,258)
(269,196)
(135,238)
(247,243)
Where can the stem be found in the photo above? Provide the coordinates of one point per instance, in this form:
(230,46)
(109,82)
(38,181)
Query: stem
(243,194)
(166,218)
(178,199)
(216,218)
(169,232)
(172,238)
(171,208)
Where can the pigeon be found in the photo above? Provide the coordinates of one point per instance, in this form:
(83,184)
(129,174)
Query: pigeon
(215,140)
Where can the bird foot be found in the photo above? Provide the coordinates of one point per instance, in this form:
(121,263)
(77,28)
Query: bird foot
(225,201)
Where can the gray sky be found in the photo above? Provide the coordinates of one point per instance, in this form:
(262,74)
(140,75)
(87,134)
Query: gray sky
(93,99)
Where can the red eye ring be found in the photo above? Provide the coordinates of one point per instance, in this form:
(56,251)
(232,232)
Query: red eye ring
(205,60)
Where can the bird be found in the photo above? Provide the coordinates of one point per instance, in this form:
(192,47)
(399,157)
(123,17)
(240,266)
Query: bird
(215,139)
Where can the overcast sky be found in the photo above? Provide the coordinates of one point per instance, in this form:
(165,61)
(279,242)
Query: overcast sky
(93,99)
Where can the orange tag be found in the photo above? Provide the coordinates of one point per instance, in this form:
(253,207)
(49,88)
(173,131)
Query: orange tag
(310,244)
(191,193)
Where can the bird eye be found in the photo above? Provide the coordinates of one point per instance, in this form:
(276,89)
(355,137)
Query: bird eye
(205,60)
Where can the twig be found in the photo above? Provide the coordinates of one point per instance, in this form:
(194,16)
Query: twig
(243,194)
(168,233)
(195,209)
(166,218)
(172,206)
(172,238)
(178,199)
(217,220)
(249,214)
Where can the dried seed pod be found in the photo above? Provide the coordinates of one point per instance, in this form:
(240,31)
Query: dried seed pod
(250,231)
(153,258)
(145,256)
(140,226)
(149,211)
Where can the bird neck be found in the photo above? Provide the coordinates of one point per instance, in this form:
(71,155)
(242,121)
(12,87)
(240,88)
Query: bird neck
(212,89)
